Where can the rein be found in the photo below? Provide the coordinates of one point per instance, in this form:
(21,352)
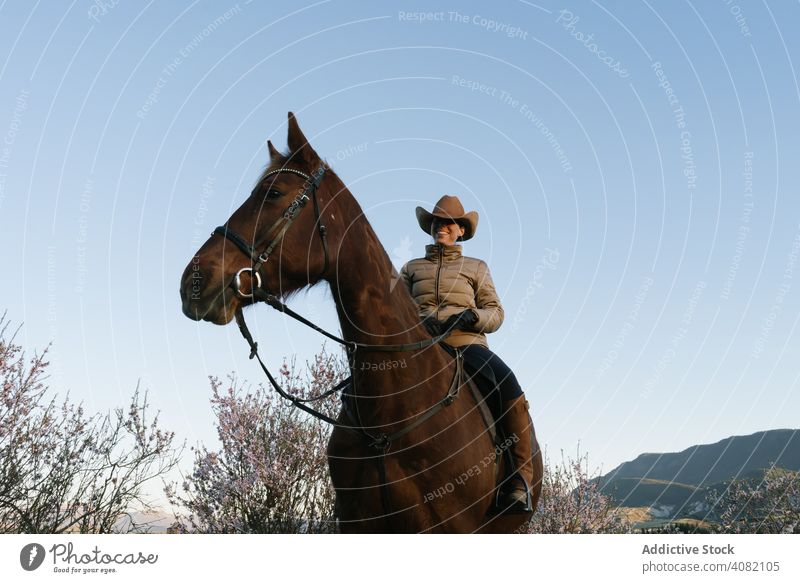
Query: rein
(382,442)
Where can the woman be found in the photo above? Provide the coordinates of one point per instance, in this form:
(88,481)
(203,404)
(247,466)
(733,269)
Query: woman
(456,293)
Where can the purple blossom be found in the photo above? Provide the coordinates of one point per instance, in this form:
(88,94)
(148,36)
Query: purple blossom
(271,473)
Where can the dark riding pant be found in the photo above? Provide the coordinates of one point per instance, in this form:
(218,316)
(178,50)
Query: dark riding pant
(506,380)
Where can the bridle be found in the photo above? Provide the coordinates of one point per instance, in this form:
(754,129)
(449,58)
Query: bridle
(259,291)
(281,225)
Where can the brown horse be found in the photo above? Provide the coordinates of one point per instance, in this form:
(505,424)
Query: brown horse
(440,475)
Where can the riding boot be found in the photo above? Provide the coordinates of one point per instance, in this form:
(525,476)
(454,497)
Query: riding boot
(515,496)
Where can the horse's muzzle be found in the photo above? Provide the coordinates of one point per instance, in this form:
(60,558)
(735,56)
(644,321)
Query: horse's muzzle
(202,300)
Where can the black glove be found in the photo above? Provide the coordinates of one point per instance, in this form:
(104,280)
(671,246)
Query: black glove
(465,320)
(433,326)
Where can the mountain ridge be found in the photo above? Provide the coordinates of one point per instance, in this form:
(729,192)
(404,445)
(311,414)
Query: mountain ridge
(678,485)
(729,458)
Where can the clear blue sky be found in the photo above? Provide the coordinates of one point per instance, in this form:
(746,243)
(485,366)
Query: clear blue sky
(634,165)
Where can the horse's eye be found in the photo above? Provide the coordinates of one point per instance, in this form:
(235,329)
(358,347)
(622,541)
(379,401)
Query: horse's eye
(261,191)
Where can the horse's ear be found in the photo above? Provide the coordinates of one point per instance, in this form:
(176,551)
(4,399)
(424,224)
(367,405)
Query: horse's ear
(298,144)
(273,152)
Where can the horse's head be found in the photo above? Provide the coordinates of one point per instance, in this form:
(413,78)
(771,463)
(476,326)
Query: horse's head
(218,279)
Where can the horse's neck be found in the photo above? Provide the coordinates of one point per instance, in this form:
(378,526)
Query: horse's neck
(373,304)
(374,307)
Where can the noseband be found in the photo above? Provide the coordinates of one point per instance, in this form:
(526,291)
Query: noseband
(281,225)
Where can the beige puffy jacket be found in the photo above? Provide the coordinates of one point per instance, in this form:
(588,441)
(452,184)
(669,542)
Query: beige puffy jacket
(444,283)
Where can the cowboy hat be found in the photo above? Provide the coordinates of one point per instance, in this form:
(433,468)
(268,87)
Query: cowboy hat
(449,208)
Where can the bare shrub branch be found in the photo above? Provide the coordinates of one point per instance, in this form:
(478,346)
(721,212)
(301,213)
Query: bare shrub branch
(63,471)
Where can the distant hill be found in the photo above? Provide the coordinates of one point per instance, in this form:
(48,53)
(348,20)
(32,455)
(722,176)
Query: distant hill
(671,485)
(717,462)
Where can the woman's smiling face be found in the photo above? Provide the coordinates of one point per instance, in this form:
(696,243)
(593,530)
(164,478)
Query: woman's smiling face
(445,231)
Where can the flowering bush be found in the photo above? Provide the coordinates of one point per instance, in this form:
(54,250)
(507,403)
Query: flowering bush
(63,471)
(768,505)
(271,473)
(572,503)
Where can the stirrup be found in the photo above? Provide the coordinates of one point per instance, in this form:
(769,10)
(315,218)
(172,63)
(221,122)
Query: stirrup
(515,507)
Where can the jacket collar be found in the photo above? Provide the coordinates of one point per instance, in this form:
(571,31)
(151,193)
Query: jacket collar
(449,252)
